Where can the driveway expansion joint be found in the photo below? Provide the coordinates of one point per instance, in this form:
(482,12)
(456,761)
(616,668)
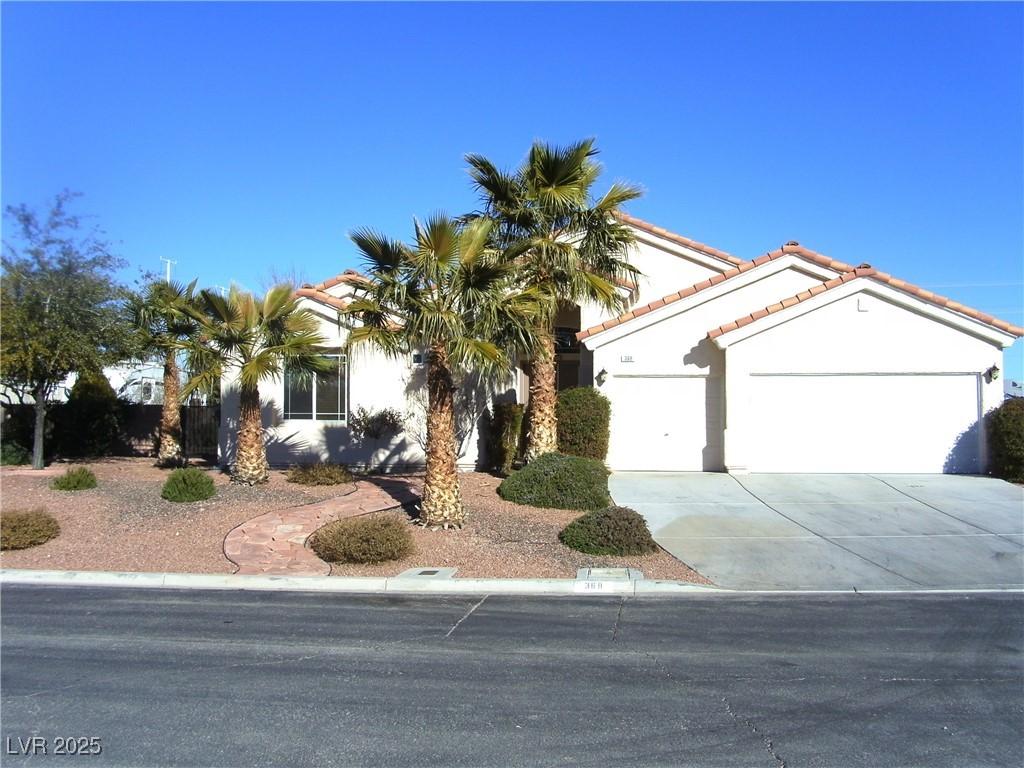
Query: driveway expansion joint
(274,543)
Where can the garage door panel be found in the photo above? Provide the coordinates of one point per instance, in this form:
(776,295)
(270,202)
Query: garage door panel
(865,423)
(666,423)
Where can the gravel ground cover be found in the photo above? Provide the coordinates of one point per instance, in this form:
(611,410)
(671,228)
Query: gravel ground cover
(507,540)
(124,525)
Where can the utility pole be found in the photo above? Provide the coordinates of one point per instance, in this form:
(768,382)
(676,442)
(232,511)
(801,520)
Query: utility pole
(168,262)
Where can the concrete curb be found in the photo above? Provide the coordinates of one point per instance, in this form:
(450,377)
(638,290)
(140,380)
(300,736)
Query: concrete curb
(410,586)
(364,584)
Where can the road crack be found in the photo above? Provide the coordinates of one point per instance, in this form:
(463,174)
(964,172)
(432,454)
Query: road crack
(618,619)
(765,738)
(769,744)
(466,616)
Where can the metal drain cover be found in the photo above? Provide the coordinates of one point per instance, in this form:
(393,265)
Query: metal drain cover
(427,573)
(609,574)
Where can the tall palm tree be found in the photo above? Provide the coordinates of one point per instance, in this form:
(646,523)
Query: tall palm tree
(568,246)
(161,318)
(450,295)
(257,336)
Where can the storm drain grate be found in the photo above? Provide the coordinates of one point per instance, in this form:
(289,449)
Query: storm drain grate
(427,573)
(608,574)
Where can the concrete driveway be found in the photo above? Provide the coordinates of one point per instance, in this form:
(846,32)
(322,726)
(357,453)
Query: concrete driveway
(783,531)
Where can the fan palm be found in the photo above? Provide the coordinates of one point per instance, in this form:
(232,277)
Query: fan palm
(567,246)
(161,318)
(257,336)
(450,295)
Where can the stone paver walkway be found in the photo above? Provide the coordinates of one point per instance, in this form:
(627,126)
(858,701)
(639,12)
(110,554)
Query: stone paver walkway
(275,543)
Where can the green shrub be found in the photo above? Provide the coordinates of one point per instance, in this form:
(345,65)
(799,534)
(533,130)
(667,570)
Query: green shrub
(583,416)
(504,437)
(26,528)
(92,421)
(75,479)
(1006,440)
(189,484)
(558,481)
(363,423)
(319,474)
(363,540)
(12,454)
(612,531)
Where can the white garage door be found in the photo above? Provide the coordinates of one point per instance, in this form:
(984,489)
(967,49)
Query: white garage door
(665,423)
(864,423)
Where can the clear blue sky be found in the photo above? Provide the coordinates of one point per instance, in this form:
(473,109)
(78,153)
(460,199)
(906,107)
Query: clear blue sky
(241,138)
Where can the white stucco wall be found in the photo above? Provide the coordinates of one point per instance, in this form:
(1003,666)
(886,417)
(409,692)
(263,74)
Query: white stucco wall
(862,383)
(664,377)
(665,268)
(374,382)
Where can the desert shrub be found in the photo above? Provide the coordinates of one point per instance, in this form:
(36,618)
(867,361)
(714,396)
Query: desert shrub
(12,453)
(1006,439)
(504,436)
(319,474)
(558,481)
(363,423)
(75,479)
(92,421)
(363,540)
(188,484)
(611,531)
(26,528)
(583,416)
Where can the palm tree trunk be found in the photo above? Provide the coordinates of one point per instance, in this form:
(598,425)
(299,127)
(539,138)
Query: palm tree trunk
(540,411)
(169,452)
(250,452)
(442,498)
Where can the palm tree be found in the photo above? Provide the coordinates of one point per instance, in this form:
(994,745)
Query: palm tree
(257,336)
(160,316)
(450,295)
(569,247)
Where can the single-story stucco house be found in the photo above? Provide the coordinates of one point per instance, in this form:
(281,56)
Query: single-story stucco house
(790,362)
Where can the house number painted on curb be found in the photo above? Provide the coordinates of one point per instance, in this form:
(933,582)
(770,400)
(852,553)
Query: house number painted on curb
(591,586)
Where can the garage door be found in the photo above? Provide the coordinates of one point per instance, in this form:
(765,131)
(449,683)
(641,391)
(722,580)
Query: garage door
(670,423)
(864,423)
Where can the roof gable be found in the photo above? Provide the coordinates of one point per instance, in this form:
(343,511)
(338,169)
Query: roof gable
(826,269)
(672,237)
(900,287)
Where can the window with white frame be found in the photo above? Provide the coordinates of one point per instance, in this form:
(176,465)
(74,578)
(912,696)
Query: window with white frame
(323,397)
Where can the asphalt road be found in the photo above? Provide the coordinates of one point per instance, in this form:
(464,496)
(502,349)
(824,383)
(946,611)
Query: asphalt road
(279,679)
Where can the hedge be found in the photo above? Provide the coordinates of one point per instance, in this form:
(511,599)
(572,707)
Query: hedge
(584,417)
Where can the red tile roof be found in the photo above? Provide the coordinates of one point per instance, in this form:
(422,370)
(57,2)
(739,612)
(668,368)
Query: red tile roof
(808,254)
(309,292)
(817,258)
(881,277)
(348,276)
(661,232)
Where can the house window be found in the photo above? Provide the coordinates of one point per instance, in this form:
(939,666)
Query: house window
(322,397)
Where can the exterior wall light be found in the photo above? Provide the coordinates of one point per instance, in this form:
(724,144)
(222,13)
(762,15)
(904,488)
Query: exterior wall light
(602,377)
(992,374)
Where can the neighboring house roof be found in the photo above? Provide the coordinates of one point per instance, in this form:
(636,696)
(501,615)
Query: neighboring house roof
(673,237)
(348,276)
(881,277)
(849,272)
(321,297)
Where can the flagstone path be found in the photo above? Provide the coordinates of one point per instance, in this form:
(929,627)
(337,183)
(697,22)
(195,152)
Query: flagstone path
(275,543)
